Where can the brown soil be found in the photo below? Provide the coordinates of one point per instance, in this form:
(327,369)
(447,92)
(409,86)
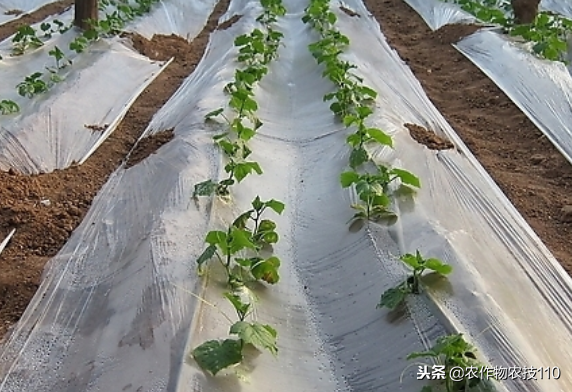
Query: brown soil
(10,28)
(14,12)
(230,22)
(42,227)
(525,165)
(428,138)
(148,146)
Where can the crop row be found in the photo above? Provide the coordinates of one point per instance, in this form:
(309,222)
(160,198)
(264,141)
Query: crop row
(27,38)
(245,249)
(353,103)
(548,32)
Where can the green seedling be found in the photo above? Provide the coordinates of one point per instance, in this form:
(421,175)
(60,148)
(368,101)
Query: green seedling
(32,85)
(395,296)
(61,60)
(453,351)
(548,31)
(56,26)
(272,9)
(8,107)
(24,39)
(228,247)
(216,355)
(373,191)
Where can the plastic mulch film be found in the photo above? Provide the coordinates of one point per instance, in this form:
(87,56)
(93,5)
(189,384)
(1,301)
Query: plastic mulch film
(14,9)
(438,13)
(117,307)
(180,17)
(65,125)
(541,89)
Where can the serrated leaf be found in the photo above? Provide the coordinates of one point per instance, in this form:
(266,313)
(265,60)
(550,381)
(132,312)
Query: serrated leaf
(240,239)
(207,254)
(259,335)
(213,355)
(240,307)
(392,298)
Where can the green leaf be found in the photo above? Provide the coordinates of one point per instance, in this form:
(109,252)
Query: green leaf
(438,266)
(348,178)
(240,307)
(358,157)
(207,254)
(275,205)
(354,139)
(216,238)
(260,336)
(214,113)
(205,188)
(240,239)
(407,177)
(392,298)
(267,270)
(381,137)
(240,222)
(243,169)
(213,355)
(410,260)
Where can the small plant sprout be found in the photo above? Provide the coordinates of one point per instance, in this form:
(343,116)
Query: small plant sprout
(32,85)
(8,107)
(453,351)
(24,39)
(238,249)
(60,58)
(373,191)
(395,296)
(216,355)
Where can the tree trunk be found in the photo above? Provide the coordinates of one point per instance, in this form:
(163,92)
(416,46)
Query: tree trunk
(85,10)
(525,11)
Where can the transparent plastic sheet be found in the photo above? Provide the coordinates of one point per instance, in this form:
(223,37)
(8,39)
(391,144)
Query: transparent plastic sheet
(180,17)
(26,6)
(47,135)
(541,89)
(438,13)
(51,131)
(115,310)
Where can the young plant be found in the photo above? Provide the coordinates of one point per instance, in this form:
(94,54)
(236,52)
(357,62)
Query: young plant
(60,58)
(32,85)
(229,247)
(395,296)
(216,355)
(8,107)
(24,39)
(452,351)
(373,191)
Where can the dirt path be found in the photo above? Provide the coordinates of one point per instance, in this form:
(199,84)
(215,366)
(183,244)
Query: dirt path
(42,230)
(526,166)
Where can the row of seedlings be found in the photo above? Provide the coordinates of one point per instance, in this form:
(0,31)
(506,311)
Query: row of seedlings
(27,38)
(548,32)
(244,249)
(353,102)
